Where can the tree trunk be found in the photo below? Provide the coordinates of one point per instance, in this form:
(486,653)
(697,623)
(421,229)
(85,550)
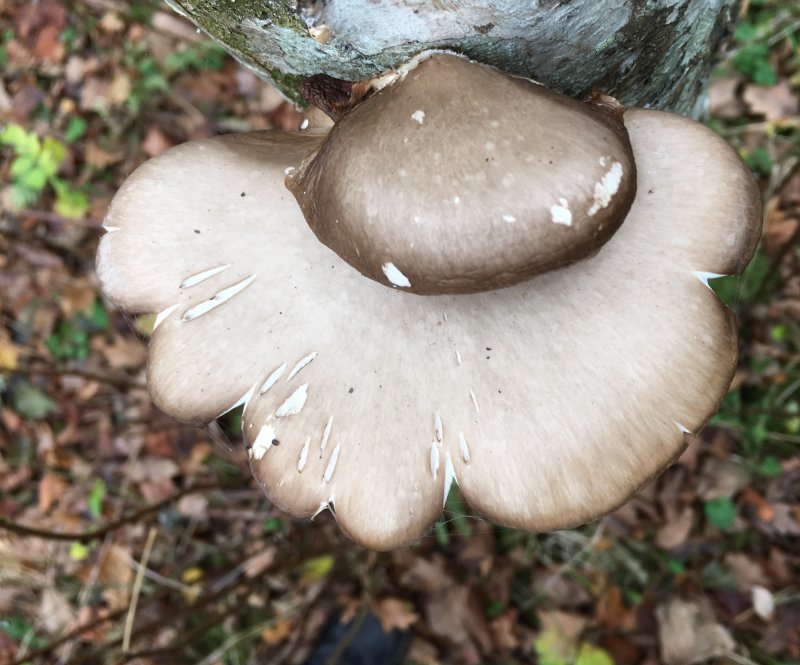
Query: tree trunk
(655,53)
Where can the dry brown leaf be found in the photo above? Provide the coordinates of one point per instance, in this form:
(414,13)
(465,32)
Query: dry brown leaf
(395,613)
(278,632)
(777,102)
(99,158)
(723,97)
(675,532)
(193,505)
(117,575)
(780,229)
(51,488)
(123,352)
(156,141)
(612,612)
(689,633)
(721,479)
(747,571)
(505,631)
(259,562)
(54,610)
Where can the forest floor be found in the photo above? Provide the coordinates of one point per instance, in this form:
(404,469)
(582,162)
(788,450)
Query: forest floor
(128,538)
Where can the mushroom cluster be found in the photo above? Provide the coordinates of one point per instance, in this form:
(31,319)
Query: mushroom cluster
(479,281)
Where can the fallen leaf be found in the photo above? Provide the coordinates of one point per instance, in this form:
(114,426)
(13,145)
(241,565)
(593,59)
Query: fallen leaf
(689,633)
(675,532)
(54,610)
(278,632)
(776,102)
(395,613)
(51,487)
(259,562)
(723,97)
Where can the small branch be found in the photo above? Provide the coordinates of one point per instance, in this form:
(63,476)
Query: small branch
(137,589)
(119,382)
(94,534)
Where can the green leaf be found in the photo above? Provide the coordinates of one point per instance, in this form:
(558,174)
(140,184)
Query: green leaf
(76,128)
(753,60)
(34,180)
(16,137)
(272,525)
(552,648)
(78,551)
(592,655)
(721,513)
(70,203)
(760,161)
(770,467)
(22,165)
(96,496)
(53,153)
(31,402)
(317,567)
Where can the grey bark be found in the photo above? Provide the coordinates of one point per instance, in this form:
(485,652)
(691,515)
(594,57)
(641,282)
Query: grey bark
(652,53)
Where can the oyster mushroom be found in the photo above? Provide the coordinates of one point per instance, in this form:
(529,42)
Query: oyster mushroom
(476,179)
(549,402)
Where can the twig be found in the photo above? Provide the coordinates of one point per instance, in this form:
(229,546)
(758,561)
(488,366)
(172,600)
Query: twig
(88,536)
(137,589)
(48,648)
(55,218)
(119,382)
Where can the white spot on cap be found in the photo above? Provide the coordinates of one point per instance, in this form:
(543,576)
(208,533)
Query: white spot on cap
(509,219)
(264,440)
(326,434)
(474,401)
(289,169)
(394,275)
(456,200)
(163,315)
(449,477)
(331,464)
(272,379)
(462,444)
(301,463)
(434,460)
(301,364)
(220,298)
(304,124)
(294,403)
(682,429)
(561,213)
(705,276)
(458,358)
(243,400)
(203,276)
(437,427)
(419,116)
(606,188)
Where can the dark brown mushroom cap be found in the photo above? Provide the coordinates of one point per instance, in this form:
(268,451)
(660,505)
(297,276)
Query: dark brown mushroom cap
(458,178)
(549,402)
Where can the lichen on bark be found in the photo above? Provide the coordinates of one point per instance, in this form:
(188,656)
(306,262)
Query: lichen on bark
(655,53)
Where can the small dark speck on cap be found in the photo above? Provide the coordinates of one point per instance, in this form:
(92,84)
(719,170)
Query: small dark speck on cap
(243,194)
(275,442)
(650,191)
(351,390)
(197,230)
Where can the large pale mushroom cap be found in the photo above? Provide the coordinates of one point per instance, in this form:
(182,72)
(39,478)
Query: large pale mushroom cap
(549,402)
